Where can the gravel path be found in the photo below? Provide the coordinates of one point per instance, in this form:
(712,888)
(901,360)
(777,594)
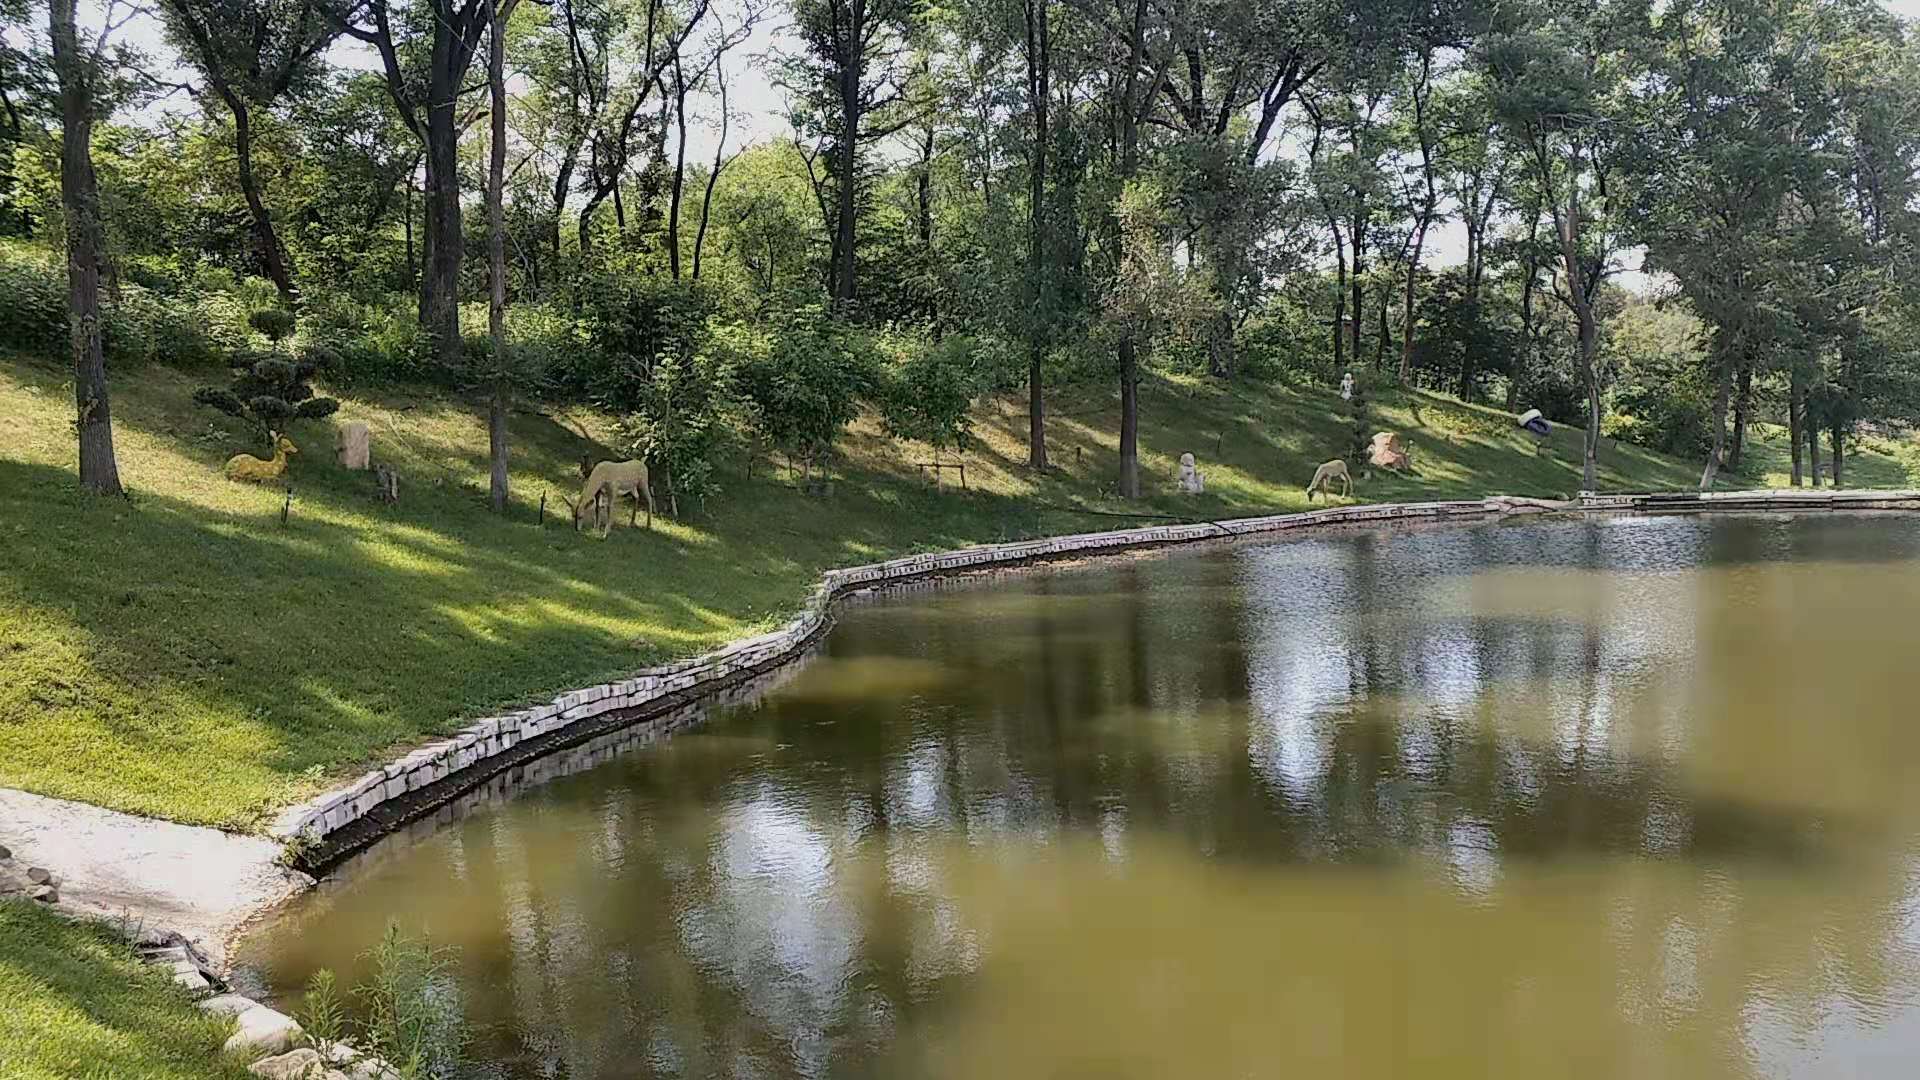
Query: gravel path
(201,883)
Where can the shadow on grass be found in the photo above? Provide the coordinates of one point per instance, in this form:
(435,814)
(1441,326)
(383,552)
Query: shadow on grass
(74,1002)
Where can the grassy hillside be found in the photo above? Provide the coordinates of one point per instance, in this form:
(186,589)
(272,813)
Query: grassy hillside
(76,1003)
(184,655)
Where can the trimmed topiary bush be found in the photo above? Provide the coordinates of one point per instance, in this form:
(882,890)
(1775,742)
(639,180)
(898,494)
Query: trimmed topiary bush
(276,324)
(268,390)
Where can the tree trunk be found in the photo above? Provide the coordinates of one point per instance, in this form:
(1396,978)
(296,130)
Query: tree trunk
(1339,298)
(1717,452)
(1795,404)
(1128,357)
(1039,76)
(266,241)
(1812,427)
(445,245)
(80,199)
(679,167)
(1355,283)
(845,209)
(1742,408)
(713,175)
(1129,420)
(1589,363)
(497,258)
(1839,454)
(1406,305)
(406,217)
(1380,343)
(923,192)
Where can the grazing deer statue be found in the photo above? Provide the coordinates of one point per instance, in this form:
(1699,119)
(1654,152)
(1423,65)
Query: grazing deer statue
(248,467)
(1325,475)
(613,479)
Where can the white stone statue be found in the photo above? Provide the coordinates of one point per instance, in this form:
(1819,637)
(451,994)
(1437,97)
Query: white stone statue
(1190,480)
(356,446)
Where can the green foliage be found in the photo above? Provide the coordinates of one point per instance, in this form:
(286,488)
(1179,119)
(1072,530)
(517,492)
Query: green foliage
(322,1011)
(1663,390)
(409,1014)
(681,420)
(269,388)
(633,321)
(927,393)
(275,323)
(140,327)
(1359,421)
(803,382)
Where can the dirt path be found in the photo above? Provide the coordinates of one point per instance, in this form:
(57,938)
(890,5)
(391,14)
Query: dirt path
(202,883)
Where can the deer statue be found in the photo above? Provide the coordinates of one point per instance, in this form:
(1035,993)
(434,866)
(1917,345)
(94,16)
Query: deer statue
(1325,475)
(248,467)
(613,479)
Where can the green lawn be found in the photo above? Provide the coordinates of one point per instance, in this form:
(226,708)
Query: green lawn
(182,654)
(75,1004)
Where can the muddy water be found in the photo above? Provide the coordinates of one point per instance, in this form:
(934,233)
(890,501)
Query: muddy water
(1631,798)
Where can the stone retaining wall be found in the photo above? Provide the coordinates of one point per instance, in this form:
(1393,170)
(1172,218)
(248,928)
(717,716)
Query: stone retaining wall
(434,775)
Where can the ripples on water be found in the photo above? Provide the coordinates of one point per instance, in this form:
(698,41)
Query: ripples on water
(1633,797)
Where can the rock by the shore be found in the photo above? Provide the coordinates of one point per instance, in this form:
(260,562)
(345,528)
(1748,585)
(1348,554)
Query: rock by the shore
(33,882)
(261,1030)
(228,1005)
(293,1065)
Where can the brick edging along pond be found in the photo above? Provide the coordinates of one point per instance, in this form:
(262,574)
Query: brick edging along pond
(323,830)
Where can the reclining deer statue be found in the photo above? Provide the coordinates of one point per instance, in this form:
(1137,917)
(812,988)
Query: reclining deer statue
(613,479)
(1325,475)
(248,467)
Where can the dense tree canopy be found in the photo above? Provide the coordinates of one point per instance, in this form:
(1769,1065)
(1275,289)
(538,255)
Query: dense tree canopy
(1661,222)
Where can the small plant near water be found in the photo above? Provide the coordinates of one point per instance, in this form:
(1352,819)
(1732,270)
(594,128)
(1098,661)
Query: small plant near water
(408,1014)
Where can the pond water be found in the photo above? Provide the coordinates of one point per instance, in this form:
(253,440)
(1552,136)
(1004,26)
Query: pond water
(1610,798)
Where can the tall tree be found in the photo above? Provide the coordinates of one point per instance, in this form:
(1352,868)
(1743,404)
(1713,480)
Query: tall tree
(1138,54)
(497,401)
(251,54)
(78,69)
(1560,75)
(687,74)
(852,86)
(1239,64)
(429,104)
(1038,24)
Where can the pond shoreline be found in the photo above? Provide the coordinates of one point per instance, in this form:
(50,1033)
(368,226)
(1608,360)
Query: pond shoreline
(324,831)
(494,757)
(327,829)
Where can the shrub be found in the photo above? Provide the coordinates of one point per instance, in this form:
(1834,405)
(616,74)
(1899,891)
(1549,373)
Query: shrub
(803,384)
(269,389)
(140,327)
(928,393)
(276,324)
(411,1013)
(632,322)
(33,307)
(681,425)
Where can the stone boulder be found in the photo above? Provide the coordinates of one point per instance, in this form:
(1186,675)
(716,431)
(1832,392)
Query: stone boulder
(355,445)
(260,1030)
(33,882)
(301,1064)
(1388,452)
